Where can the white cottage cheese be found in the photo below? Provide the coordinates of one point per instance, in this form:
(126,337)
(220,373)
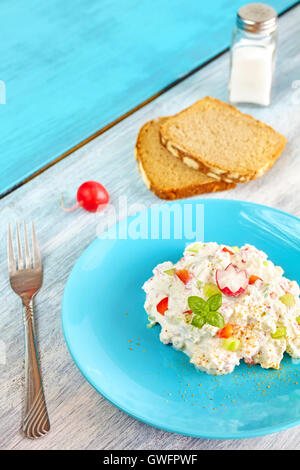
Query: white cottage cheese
(257,325)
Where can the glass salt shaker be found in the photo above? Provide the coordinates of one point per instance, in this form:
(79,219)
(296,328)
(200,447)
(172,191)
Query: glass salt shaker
(253,52)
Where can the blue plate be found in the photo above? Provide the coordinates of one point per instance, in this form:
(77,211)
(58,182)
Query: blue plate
(104,324)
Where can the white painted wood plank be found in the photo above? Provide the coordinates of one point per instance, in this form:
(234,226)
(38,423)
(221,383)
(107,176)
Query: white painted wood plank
(80,418)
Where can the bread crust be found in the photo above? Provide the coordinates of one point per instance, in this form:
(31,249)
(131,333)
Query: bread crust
(173,192)
(217,172)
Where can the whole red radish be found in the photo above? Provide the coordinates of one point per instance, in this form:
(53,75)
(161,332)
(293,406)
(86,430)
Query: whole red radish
(91,196)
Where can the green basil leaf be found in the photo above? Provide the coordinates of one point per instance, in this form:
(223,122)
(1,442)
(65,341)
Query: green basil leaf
(215,302)
(198,321)
(198,305)
(215,319)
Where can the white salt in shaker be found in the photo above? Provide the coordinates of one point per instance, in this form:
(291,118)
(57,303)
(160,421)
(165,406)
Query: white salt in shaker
(253,55)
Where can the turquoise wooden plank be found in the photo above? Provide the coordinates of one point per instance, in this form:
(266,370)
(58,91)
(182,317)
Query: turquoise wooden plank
(72,67)
(80,417)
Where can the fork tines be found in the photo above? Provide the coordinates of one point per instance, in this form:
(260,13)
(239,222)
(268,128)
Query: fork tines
(20,263)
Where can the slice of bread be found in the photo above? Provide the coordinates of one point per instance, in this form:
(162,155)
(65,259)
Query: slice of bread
(166,176)
(222,142)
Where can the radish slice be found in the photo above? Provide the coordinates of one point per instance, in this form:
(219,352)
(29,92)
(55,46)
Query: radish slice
(231,281)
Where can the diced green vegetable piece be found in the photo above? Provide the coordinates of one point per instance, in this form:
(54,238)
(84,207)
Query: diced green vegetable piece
(231,344)
(210,289)
(194,248)
(298,320)
(198,321)
(215,319)
(279,333)
(199,284)
(198,305)
(235,248)
(265,263)
(171,272)
(288,299)
(215,302)
(152,321)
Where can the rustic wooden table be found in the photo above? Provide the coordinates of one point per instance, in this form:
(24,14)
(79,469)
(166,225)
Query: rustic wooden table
(80,417)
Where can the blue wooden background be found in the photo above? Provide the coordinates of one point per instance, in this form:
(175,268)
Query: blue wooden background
(71,67)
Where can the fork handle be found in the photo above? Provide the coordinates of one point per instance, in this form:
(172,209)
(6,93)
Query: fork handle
(36,421)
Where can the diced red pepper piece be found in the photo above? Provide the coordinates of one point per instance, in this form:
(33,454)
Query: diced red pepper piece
(249,361)
(226,332)
(162,306)
(183,275)
(253,279)
(227,251)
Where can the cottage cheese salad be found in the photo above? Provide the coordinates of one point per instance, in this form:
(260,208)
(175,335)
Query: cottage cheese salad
(221,304)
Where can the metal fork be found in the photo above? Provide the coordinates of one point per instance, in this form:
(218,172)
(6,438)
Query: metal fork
(26,278)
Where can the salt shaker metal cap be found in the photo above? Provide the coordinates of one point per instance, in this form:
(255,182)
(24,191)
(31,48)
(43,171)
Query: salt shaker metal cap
(253,51)
(257,18)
